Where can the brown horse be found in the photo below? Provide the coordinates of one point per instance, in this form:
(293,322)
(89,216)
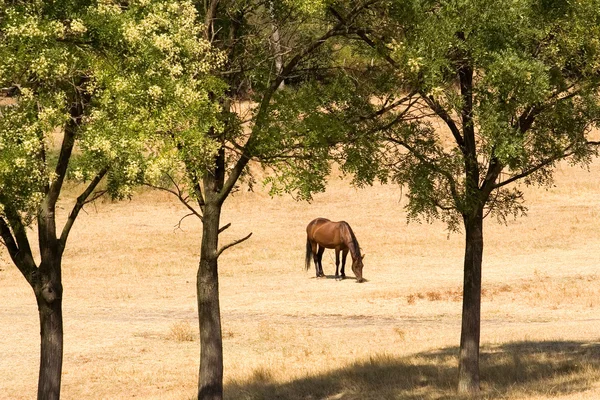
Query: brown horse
(324,234)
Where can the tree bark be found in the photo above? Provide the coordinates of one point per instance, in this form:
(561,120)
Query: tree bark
(468,375)
(210,382)
(47,285)
(49,300)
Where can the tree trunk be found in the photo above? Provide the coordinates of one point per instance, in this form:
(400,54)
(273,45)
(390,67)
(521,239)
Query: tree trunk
(468,375)
(47,285)
(210,383)
(49,300)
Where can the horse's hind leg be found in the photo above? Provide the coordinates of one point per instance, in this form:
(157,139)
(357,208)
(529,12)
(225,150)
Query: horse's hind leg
(337,263)
(344,255)
(315,254)
(320,259)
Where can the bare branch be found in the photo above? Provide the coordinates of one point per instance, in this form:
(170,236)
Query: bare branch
(234,243)
(224,227)
(179,194)
(178,225)
(391,106)
(210,16)
(96,196)
(84,198)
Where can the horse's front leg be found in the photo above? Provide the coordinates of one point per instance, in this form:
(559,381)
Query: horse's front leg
(344,255)
(337,263)
(320,258)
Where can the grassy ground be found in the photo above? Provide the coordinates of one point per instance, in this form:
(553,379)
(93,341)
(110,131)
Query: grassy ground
(130,309)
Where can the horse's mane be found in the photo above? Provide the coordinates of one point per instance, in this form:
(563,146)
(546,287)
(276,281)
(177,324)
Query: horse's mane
(354,241)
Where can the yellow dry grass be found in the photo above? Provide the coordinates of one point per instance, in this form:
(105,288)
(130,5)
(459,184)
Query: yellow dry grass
(130,308)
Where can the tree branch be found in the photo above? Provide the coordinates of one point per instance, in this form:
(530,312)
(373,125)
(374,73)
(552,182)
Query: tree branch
(494,169)
(221,229)
(235,242)
(544,163)
(81,201)
(443,114)
(179,195)
(178,225)
(76,113)
(9,241)
(210,16)
(18,246)
(363,35)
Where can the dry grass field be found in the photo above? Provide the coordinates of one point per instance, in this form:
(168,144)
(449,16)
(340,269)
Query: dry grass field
(130,309)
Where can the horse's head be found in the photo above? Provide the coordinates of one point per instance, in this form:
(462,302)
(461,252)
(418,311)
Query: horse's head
(357,267)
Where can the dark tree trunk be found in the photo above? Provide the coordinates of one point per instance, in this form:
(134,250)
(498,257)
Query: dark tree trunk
(210,382)
(468,375)
(47,285)
(49,300)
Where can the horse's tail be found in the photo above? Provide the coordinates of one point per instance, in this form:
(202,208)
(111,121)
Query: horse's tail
(308,254)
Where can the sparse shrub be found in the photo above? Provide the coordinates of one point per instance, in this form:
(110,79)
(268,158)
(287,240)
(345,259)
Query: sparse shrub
(411,298)
(182,332)
(453,295)
(434,296)
(262,375)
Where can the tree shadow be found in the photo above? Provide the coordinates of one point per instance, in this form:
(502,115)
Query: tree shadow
(519,368)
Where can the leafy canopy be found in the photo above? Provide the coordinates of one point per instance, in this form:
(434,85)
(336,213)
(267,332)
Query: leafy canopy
(467,97)
(141,69)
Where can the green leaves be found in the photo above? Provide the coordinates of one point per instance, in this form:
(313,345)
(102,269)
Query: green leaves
(142,72)
(511,87)
(23,175)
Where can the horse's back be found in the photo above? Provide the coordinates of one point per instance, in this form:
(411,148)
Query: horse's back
(312,225)
(325,232)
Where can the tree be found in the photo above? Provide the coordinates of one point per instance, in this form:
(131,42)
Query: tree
(104,75)
(265,43)
(516,85)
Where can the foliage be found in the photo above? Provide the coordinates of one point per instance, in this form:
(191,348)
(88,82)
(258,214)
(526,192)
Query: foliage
(284,129)
(142,67)
(520,77)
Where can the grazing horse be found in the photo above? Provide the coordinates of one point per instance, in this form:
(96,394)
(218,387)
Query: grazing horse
(324,234)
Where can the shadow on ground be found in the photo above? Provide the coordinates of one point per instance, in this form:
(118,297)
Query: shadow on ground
(513,370)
